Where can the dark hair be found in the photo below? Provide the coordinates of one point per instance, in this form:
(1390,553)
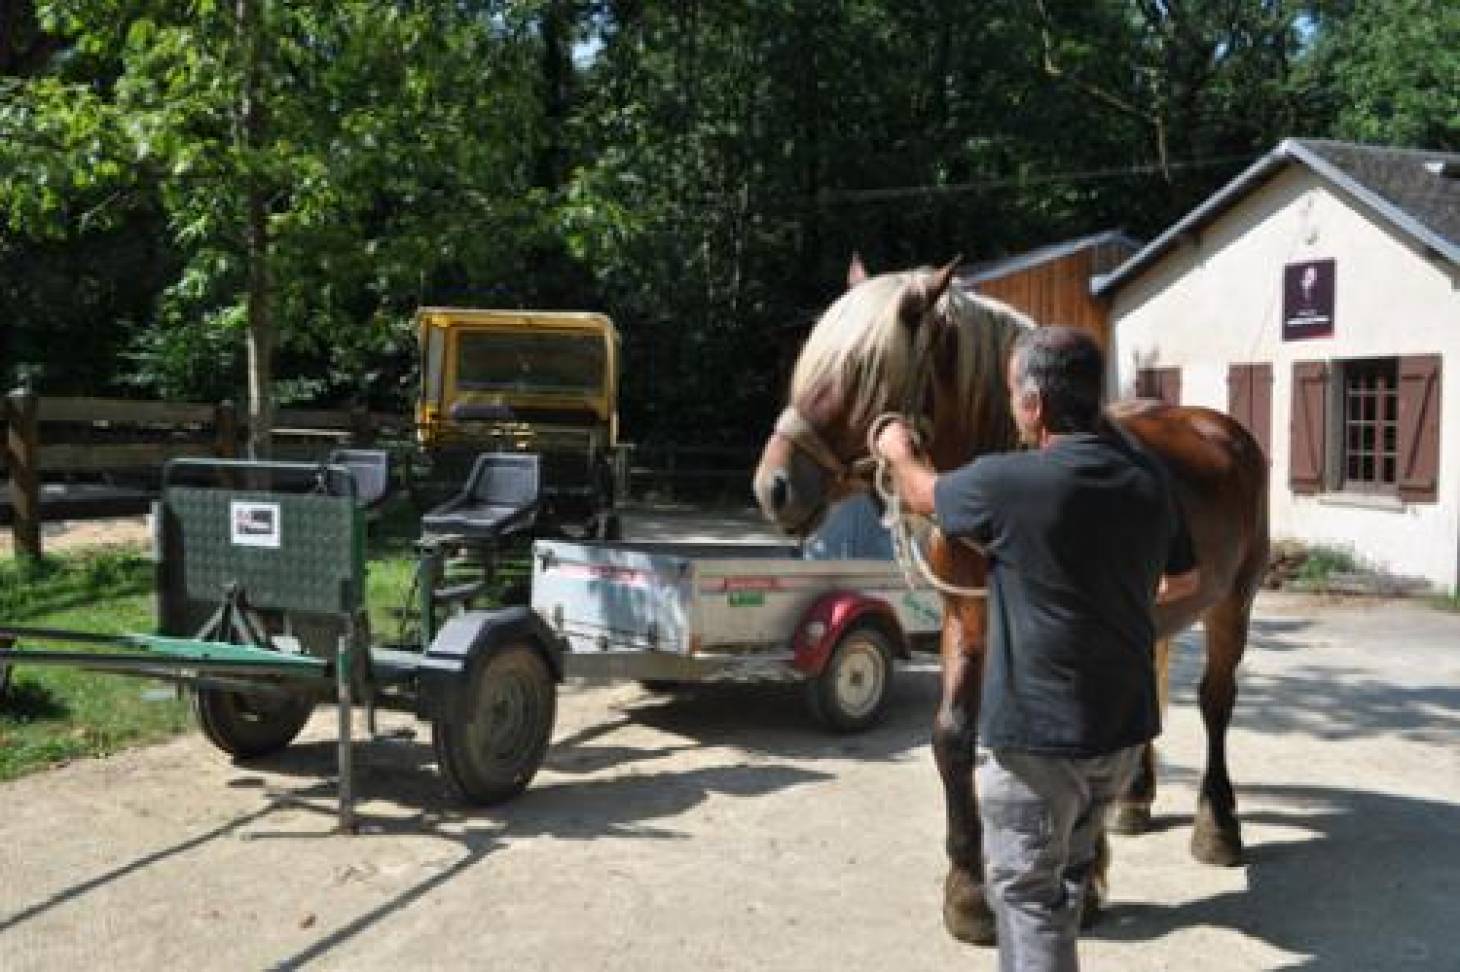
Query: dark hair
(1066,368)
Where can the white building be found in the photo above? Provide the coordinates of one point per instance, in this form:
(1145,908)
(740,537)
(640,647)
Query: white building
(1317,298)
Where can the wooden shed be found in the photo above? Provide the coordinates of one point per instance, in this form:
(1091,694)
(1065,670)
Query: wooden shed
(1052,284)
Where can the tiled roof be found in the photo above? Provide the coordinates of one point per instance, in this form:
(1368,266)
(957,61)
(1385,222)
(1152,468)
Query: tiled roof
(1416,191)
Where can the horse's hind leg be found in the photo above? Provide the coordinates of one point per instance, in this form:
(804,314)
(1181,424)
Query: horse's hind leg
(1217,837)
(966,912)
(1131,814)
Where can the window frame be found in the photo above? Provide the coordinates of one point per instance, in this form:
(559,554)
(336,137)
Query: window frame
(1380,451)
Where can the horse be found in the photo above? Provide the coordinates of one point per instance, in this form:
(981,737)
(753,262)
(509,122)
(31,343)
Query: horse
(909,343)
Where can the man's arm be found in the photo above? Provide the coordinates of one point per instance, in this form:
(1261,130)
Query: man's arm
(913,475)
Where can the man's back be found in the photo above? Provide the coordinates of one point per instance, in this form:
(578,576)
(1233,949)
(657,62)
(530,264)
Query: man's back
(1078,535)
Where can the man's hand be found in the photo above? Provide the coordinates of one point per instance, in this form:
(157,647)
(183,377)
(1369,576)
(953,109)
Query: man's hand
(894,442)
(914,476)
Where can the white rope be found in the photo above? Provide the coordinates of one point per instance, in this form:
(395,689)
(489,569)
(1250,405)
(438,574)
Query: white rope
(899,522)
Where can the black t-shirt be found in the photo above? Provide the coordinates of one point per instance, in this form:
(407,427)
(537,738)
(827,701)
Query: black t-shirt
(1078,535)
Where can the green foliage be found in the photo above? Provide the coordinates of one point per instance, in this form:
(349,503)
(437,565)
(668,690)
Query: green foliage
(1321,563)
(1388,71)
(702,171)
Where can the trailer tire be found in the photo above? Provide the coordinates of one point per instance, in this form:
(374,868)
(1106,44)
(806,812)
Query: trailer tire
(246,726)
(850,693)
(494,749)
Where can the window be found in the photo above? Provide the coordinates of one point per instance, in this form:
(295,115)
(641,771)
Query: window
(1370,432)
(1369,425)
(1162,384)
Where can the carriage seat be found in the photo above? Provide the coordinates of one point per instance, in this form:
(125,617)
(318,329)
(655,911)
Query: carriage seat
(500,498)
(371,470)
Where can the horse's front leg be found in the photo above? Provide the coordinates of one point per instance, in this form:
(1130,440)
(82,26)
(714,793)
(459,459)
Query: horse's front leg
(966,913)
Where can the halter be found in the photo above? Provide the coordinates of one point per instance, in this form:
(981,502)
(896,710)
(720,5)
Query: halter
(803,435)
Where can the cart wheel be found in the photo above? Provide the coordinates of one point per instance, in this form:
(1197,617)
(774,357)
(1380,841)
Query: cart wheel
(510,703)
(246,726)
(850,694)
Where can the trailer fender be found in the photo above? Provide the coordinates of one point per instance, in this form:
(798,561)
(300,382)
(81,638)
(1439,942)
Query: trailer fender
(467,638)
(829,616)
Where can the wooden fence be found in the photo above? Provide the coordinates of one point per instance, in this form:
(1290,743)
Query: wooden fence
(128,441)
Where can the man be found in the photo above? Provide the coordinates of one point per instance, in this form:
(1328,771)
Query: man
(1083,537)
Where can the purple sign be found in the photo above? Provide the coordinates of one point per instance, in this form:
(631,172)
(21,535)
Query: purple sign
(1308,300)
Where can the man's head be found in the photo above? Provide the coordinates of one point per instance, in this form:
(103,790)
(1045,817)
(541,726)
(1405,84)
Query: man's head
(1056,375)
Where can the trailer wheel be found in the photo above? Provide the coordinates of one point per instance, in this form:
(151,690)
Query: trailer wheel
(850,693)
(494,751)
(247,726)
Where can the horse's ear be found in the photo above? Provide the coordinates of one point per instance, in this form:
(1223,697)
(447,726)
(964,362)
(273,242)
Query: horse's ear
(857,272)
(924,292)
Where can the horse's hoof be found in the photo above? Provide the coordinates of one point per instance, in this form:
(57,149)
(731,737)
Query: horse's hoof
(1216,845)
(1129,819)
(966,914)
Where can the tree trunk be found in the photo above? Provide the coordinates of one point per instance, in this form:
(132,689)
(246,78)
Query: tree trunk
(256,235)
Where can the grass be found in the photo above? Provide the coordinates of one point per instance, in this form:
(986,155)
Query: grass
(51,715)
(1445,602)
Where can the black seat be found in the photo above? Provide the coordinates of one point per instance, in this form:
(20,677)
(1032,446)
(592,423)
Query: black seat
(371,470)
(500,498)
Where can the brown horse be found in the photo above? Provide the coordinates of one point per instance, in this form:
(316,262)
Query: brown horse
(907,343)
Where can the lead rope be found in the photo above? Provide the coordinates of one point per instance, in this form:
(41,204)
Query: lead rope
(899,522)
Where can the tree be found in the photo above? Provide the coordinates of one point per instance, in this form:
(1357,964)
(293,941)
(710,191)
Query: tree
(315,165)
(1386,72)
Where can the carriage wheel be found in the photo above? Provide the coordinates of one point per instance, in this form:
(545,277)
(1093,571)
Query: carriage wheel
(247,726)
(850,694)
(493,752)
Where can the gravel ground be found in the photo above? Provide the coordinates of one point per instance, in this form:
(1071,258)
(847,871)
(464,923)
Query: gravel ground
(723,830)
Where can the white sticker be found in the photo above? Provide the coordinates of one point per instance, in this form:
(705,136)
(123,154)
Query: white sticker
(255,524)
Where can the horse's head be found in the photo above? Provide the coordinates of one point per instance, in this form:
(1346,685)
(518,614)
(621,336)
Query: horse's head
(860,360)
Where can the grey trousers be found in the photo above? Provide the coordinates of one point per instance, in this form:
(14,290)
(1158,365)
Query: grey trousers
(1043,818)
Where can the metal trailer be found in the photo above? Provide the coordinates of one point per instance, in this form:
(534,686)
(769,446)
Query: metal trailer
(671,613)
(261,612)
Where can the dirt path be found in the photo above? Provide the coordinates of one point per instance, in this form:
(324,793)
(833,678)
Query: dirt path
(722,830)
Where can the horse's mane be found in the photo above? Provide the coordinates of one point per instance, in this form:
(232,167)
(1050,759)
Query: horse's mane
(861,344)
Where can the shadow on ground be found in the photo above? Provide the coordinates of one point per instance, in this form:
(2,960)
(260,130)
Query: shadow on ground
(1321,701)
(1367,881)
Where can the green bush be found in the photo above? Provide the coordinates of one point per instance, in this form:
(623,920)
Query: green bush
(1321,563)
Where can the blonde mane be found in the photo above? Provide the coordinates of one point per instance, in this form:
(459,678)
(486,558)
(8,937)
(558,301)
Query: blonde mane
(862,346)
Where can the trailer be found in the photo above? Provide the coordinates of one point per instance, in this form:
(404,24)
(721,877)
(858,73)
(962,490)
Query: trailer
(668,614)
(261,614)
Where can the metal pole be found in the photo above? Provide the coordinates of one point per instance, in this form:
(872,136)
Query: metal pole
(345,704)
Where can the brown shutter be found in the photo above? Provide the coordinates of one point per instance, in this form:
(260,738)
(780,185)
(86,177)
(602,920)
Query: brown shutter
(1249,401)
(1308,431)
(1170,386)
(1419,428)
(1261,426)
(1162,384)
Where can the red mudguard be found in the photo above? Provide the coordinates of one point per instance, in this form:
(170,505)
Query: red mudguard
(835,612)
